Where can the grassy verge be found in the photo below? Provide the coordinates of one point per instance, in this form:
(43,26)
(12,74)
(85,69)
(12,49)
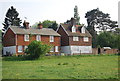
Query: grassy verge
(62,67)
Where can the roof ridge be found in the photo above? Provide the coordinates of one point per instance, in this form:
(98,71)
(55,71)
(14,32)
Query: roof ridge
(44,31)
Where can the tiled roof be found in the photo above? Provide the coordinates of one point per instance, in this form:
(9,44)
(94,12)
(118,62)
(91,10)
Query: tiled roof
(67,28)
(43,31)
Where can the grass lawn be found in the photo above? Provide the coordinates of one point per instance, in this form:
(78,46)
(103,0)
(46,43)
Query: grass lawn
(0,68)
(63,67)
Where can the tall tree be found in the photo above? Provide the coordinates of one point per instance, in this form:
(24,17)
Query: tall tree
(76,15)
(91,21)
(98,19)
(11,18)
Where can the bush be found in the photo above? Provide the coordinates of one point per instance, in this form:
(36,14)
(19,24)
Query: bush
(35,49)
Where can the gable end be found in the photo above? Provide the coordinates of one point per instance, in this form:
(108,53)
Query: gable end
(7,31)
(63,29)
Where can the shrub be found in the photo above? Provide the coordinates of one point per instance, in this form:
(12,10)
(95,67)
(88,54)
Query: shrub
(35,49)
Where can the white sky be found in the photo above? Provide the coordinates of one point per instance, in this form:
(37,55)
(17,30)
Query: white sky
(58,10)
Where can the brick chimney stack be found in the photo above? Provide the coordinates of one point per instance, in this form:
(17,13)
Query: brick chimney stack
(40,26)
(73,21)
(26,24)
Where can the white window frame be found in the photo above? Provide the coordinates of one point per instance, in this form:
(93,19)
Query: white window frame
(52,49)
(73,29)
(25,38)
(56,48)
(51,38)
(20,49)
(75,38)
(86,39)
(38,37)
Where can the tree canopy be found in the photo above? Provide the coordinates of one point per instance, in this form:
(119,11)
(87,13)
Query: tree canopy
(100,20)
(11,18)
(54,26)
(47,24)
(108,39)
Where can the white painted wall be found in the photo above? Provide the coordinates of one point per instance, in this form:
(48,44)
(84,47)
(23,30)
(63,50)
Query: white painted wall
(81,49)
(65,49)
(76,49)
(11,49)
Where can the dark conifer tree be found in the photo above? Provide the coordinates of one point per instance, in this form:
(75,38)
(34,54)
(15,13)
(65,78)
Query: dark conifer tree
(11,18)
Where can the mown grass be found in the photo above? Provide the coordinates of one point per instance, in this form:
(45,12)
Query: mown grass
(0,68)
(62,67)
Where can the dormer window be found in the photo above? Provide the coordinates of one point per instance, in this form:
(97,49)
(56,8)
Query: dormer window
(83,29)
(73,29)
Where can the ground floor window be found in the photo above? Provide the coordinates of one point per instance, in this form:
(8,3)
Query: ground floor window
(56,49)
(25,47)
(52,49)
(20,49)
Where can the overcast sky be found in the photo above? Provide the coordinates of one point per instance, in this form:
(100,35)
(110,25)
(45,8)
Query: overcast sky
(58,10)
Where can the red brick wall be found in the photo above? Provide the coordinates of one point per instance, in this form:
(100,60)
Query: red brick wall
(80,42)
(64,37)
(94,50)
(66,40)
(9,38)
(20,40)
(109,51)
(103,51)
(44,39)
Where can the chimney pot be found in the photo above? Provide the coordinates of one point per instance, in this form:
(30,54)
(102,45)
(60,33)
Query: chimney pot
(26,24)
(40,26)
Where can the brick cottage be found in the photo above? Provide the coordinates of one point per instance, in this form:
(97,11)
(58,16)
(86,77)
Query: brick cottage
(16,39)
(69,38)
(75,39)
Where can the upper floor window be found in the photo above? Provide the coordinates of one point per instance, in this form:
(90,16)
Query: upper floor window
(73,29)
(38,37)
(26,37)
(86,39)
(76,38)
(51,38)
